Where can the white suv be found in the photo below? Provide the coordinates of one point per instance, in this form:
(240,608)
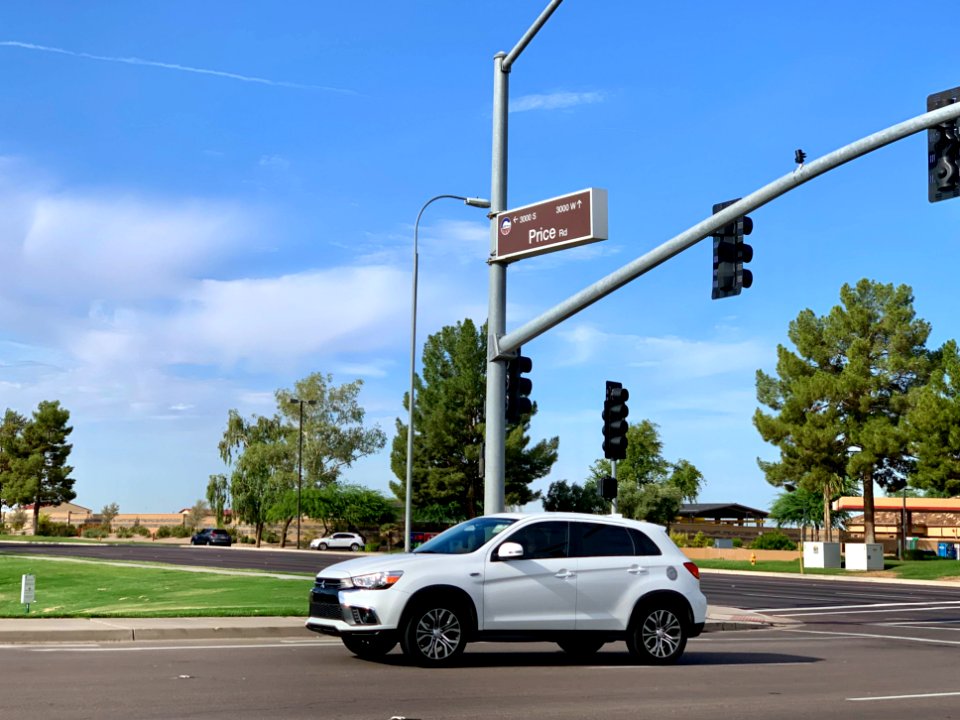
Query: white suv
(577,580)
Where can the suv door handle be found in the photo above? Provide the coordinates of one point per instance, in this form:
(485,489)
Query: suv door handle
(637,570)
(564,574)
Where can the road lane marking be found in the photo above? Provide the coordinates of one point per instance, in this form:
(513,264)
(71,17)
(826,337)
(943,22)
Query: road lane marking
(904,697)
(923,604)
(874,636)
(153,648)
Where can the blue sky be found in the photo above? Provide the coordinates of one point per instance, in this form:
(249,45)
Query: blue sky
(201,203)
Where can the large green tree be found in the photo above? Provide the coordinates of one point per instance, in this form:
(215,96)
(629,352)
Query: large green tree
(649,487)
(265,452)
(39,470)
(934,420)
(11,449)
(839,402)
(449,431)
(218,494)
(570,497)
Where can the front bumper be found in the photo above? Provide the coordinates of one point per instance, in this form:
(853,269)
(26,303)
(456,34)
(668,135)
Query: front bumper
(336,611)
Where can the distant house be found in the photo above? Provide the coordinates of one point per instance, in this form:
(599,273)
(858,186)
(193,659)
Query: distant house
(721,514)
(929,518)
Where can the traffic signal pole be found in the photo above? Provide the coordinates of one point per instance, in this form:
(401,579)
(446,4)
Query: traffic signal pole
(495,445)
(617,279)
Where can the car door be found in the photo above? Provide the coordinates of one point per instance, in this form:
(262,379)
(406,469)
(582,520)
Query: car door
(537,591)
(616,566)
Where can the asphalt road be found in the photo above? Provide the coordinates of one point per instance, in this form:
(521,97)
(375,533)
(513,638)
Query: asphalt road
(768,674)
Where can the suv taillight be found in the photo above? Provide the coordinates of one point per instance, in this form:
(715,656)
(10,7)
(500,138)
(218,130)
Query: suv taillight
(694,570)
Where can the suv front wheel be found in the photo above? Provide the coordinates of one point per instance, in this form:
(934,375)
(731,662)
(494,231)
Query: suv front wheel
(435,632)
(658,635)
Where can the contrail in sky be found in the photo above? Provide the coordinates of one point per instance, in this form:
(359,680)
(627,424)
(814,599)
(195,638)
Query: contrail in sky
(172,66)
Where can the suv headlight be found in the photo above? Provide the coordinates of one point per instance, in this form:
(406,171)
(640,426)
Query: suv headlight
(377,580)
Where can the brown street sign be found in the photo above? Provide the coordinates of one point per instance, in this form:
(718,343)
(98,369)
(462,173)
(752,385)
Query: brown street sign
(561,222)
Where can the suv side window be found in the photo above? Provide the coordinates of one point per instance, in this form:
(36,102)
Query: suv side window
(542,540)
(600,540)
(642,544)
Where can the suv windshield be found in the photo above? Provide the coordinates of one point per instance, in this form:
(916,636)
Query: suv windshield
(466,537)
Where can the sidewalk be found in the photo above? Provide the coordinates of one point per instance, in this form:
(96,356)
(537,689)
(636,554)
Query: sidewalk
(73,630)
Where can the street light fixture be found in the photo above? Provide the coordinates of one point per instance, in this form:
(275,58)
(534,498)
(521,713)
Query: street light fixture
(300,402)
(473,202)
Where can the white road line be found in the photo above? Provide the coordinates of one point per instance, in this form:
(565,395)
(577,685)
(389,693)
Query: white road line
(873,636)
(867,612)
(852,607)
(904,697)
(154,648)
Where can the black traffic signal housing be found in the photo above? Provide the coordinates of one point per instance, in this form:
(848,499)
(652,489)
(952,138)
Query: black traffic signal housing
(943,151)
(730,254)
(615,425)
(518,387)
(607,487)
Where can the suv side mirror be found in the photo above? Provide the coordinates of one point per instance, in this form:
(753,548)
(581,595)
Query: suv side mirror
(510,551)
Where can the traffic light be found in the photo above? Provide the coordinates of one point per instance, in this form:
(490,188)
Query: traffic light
(615,426)
(730,254)
(943,151)
(608,487)
(518,388)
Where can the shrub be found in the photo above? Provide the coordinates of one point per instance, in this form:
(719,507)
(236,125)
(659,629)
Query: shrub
(774,540)
(372,547)
(180,531)
(700,540)
(141,531)
(680,539)
(123,532)
(52,529)
(163,531)
(98,533)
(269,536)
(738,542)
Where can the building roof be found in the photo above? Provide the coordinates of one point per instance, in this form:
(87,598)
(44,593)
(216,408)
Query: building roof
(721,511)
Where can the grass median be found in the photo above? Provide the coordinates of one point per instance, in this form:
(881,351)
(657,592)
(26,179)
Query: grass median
(73,588)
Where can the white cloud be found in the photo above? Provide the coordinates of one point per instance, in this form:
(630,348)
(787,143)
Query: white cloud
(555,101)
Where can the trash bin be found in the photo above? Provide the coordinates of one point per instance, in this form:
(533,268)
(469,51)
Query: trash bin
(947,550)
(912,543)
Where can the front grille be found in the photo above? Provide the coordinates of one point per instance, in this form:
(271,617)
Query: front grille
(328,584)
(326,611)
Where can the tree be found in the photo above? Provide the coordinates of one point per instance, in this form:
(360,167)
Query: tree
(197,514)
(648,486)
(449,431)
(262,466)
(218,492)
(11,449)
(564,497)
(39,470)
(841,399)
(934,421)
(264,451)
(108,514)
(350,506)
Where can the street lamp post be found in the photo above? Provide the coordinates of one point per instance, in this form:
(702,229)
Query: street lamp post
(300,402)
(474,202)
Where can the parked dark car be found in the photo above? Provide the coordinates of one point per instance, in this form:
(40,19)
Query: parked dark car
(212,536)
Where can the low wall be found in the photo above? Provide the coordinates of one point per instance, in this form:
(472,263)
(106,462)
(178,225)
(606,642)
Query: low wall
(739,554)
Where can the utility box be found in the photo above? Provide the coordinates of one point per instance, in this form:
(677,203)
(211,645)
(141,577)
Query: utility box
(821,555)
(864,556)
(723,543)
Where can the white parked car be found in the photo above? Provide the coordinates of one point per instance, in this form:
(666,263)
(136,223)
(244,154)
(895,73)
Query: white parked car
(578,580)
(338,541)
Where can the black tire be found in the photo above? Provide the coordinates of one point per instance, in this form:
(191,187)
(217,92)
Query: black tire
(322,546)
(369,647)
(581,647)
(435,632)
(354,547)
(658,634)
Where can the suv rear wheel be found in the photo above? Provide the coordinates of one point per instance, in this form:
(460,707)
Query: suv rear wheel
(369,647)
(435,632)
(658,635)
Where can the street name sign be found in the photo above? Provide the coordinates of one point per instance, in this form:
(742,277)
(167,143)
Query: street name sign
(561,222)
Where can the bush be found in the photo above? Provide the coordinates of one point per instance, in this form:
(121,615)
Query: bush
(180,531)
(372,547)
(247,540)
(774,540)
(52,529)
(680,539)
(269,536)
(738,542)
(141,531)
(97,533)
(700,540)
(123,532)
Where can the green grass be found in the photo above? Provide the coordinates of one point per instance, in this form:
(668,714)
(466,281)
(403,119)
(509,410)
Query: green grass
(94,589)
(908,570)
(43,539)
